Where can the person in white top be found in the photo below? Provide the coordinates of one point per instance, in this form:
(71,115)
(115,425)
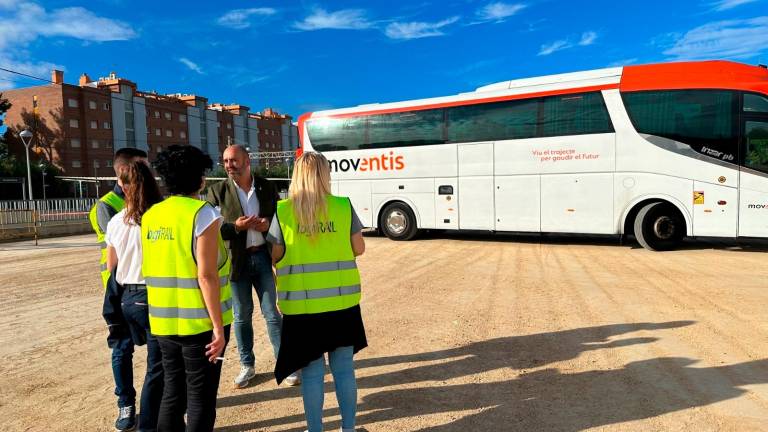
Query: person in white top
(124,257)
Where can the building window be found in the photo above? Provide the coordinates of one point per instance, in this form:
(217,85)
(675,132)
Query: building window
(108,144)
(75,164)
(106,125)
(183,118)
(167,115)
(72,103)
(168,133)
(96,164)
(74,142)
(92,105)
(73,123)
(159,149)
(105,106)
(94,124)
(108,163)
(95,144)
(182,134)
(158,132)
(229,125)
(157,114)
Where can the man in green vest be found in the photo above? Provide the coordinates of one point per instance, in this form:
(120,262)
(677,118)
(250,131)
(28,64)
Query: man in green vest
(119,338)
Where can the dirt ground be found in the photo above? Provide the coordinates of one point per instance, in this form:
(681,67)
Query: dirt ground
(466,333)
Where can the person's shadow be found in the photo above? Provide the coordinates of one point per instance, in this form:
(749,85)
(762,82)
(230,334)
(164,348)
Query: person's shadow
(541,400)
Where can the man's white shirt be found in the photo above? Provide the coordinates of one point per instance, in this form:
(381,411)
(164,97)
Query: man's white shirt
(249,202)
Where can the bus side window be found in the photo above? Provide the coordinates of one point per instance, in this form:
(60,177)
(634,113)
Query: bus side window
(756,133)
(755,103)
(703,119)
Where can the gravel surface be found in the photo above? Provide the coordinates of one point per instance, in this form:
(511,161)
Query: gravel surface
(466,333)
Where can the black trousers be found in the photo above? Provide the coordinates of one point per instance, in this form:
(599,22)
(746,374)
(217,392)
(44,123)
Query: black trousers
(191,383)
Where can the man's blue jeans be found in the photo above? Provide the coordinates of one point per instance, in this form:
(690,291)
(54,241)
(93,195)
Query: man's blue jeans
(122,370)
(119,340)
(257,274)
(312,391)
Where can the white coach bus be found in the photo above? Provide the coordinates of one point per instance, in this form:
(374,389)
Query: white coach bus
(660,151)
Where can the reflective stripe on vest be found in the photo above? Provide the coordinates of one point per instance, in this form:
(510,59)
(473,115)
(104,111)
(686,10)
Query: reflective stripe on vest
(317,274)
(318,293)
(176,282)
(176,303)
(116,203)
(319,267)
(187,313)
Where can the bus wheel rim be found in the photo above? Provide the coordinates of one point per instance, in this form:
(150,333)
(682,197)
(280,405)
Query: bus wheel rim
(396,222)
(664,227)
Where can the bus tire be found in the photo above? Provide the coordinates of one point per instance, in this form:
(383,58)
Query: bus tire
(659,227)
(398,222)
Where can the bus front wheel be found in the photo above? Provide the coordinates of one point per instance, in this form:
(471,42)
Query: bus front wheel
(398,222)
(659,227)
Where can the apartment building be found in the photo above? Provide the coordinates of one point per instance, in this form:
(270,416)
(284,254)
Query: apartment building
(79,127)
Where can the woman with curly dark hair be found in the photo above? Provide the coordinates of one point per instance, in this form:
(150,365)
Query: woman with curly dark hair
(187,267)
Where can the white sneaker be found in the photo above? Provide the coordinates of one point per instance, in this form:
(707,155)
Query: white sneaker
(293,379)
(246,374)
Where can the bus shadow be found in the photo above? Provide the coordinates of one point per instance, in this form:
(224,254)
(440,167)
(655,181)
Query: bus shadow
(541,393)
(699,243)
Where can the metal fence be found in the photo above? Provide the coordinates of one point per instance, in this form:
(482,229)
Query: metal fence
(40,212)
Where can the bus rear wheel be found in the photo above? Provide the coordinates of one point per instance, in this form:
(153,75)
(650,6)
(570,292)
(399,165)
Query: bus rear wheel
(659,227)
(398,222)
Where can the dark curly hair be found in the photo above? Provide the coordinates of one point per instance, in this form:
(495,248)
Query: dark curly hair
(182,167)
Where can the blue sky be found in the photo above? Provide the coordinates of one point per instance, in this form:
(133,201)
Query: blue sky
(299,56)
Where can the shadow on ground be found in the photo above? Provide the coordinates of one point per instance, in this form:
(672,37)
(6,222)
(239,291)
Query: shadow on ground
(543,399)
(699,243)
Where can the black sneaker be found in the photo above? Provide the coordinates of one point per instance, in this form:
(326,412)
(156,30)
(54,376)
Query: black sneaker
(126,419)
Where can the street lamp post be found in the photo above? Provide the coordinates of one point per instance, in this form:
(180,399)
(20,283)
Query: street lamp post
(42,170)
(26,138)
(288,164)
(96,177)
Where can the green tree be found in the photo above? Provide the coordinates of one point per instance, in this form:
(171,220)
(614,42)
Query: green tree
(7,161)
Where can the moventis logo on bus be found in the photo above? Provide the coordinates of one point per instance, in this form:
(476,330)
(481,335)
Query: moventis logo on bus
(383,162)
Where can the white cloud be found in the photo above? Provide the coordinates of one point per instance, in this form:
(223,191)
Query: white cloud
(240,18)
(588,38)
(555,46)
(498,11)
(416,30)
(346,19)
(736,39)
(30,21)
(191,65)
(623,62)
(25,22)
(36,69)
(722,5)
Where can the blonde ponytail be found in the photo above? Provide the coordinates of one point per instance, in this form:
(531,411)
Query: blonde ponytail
(310,185)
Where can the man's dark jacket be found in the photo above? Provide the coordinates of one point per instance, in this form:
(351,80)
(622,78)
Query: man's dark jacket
(224,195)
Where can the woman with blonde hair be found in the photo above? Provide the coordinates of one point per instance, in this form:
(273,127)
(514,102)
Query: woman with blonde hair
(315,238)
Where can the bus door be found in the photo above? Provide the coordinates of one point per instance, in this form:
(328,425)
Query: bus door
(476,186)
(753,184)
(714,205)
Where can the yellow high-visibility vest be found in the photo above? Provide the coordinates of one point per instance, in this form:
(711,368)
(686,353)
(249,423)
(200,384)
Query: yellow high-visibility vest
(317,275)
(116,203)
(176,304)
